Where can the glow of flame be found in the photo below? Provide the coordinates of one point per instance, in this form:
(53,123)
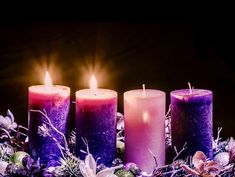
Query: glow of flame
(93,83)
(48,81)
(98,65)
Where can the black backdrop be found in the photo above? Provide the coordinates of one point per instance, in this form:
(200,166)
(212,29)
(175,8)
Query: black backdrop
(164,53)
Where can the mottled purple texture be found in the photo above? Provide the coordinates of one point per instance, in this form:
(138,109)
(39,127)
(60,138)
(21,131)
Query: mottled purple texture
(97,124)
(191,122)
(57,109)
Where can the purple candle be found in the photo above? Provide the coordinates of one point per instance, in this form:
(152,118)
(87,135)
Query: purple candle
(96,123)
(191,121)
(54,100)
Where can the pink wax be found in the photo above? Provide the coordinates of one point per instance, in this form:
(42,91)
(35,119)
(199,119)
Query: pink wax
(144,128)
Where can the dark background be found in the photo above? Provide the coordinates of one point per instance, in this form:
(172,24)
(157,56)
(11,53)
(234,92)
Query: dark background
(163,52)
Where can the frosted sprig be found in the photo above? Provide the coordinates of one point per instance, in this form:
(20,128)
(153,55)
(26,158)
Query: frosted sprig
(168,127)
(69,166)
(5,151)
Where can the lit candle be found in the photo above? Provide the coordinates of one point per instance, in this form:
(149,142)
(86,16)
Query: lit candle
(96,122)
(54,100)
(144,112)
(191,121)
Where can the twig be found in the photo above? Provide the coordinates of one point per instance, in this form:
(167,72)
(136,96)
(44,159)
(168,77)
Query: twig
(169,111)
(52,126)
(61,148)
(154,157)
(7,133)
(178,153)
(22,127)
(217,140)
(119,135)
(174,172)
(218,135)
(168,127)
(86,143)
(227,168)
(19,132)
(171,172)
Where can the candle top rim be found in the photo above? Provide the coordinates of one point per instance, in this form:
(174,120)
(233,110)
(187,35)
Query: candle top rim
(195,93)
(99,93)
(149,93)
(54,89)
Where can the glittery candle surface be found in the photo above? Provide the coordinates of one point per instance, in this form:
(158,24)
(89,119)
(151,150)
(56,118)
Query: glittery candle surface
(57,107)
(96,123)
(191,121)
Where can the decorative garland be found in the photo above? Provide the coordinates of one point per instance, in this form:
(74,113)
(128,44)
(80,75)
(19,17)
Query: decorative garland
(15,161)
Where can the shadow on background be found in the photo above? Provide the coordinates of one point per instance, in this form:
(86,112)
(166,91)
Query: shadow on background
(164,54)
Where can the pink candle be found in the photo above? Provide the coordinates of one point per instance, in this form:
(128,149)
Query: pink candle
(144,112)
(54,100)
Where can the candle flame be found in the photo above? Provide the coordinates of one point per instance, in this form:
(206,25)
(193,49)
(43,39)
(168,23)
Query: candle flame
(48,81)
(93,83)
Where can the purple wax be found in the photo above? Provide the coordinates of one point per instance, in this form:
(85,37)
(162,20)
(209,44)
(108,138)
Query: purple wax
(191,121)
(55,101)
(96,123)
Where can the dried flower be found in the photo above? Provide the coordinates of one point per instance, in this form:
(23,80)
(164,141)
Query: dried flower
(222,158)
(8,122)
(3,166)
(231,150)
(120,121)
(132,167)
(203,167)
(43,130)
(88,168)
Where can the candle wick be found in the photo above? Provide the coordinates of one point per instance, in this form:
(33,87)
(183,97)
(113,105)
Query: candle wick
(190,88)
(143,89)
